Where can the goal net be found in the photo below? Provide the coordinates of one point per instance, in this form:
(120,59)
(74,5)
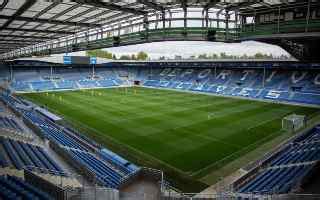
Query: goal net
(293,122)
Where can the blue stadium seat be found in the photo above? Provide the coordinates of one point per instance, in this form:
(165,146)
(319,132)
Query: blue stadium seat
(23,155)
(9,123)
(14,188)
(233,82)
(106,174)
(293,162)
(53,133)
(123,165)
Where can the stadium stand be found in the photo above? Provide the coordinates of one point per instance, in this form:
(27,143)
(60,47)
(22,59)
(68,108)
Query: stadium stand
(63,79)
(107,175)
(276,84)
(284,172)
(279,180)
(9,123)
(109,168)
(23,155)
(42,85)
(51,131)
(13,188)
(123,165)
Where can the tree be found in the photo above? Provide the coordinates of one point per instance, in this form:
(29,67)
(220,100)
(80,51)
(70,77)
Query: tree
(244,56)
(259,56)
(99,53)
(142,56)
(223,55)
(125,57)
(214,56)
(203,56)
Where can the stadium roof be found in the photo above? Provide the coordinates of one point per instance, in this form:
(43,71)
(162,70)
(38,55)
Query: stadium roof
(27,22)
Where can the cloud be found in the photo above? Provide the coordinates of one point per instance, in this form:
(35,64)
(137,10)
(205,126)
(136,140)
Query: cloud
(189,48)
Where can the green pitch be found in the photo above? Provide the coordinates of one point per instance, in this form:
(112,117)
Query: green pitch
(188,132)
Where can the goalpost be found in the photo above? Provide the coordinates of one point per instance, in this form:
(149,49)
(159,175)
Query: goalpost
(293,122)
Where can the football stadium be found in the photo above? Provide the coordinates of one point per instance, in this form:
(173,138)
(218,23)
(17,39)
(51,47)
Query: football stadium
(115,126)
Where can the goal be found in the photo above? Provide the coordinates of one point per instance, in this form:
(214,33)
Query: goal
(293,122)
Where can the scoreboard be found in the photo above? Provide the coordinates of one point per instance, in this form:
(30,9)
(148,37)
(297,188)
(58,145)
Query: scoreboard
(81,60)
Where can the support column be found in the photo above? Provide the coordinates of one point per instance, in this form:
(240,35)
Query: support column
(101,33)
(203,18)
(93,72)
(278,26)
(86,37)
(218,20)
(207,18)
(163,17)
(236,22)
(119,29)
(243,24)
(308,16)
(255,21)
(131,27)
(11,72)
(146,26)
(76,38)
(227,24)
(215,72)
(157,21)
(170,15)
(264,77)
(185,15)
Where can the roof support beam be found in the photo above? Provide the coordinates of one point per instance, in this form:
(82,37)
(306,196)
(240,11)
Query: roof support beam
(13,41)
(56,22)
(29,36)
(54,4)
(111,6)
(117,19)
(40,31)
(28,4)
(16,45)
(4,4)
(284,1)
(211,4)
(13,47)
(185,13)
(152,5)
(96,16)
(65,11)
(280,6)
(242,5)
(40,14)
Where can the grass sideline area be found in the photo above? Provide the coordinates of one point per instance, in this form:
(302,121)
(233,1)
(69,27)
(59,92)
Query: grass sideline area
(187,135)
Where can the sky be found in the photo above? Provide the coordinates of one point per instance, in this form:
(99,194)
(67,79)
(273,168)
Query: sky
(189,48)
